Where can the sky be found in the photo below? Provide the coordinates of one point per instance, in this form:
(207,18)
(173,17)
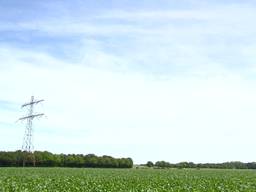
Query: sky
(169,80)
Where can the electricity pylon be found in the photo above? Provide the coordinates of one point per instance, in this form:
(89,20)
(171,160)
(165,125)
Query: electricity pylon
(27,146)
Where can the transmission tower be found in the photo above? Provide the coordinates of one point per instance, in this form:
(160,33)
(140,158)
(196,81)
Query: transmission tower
(27,146)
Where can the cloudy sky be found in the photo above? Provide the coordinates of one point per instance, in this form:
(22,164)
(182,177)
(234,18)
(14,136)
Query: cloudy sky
(153,80)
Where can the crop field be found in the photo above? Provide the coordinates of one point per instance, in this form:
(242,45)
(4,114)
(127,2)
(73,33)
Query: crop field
(130,180)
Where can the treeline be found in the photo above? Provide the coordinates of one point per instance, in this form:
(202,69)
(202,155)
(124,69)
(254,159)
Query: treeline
(47,159)
(226,165)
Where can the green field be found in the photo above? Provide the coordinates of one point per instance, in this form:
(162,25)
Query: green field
(144,180)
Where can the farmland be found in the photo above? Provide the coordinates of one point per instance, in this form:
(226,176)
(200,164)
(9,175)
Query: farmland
(133,180)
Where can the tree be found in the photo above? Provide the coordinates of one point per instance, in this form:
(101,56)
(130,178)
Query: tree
(150,164)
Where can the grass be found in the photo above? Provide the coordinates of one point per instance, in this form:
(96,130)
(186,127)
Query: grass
(127,180)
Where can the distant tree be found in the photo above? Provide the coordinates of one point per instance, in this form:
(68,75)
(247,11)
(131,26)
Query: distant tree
(163,164)
(150,164)
(251,165)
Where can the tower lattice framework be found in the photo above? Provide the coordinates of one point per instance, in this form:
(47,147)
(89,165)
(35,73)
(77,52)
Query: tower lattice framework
(27,145)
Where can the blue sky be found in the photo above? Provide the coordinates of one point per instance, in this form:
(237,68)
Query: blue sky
(153,80)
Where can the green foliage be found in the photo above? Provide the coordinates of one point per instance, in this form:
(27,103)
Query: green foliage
(130,180)
(226,165)
(150,164)
(47,159)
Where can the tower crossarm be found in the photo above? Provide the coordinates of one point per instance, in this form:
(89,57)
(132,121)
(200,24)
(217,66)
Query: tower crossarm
(31,116)
(32,103)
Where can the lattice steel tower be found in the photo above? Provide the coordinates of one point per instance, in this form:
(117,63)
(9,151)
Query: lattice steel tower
(27,146)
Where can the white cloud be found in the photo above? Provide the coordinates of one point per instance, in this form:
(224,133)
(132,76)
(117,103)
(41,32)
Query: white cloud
(94,107)
(235,18)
